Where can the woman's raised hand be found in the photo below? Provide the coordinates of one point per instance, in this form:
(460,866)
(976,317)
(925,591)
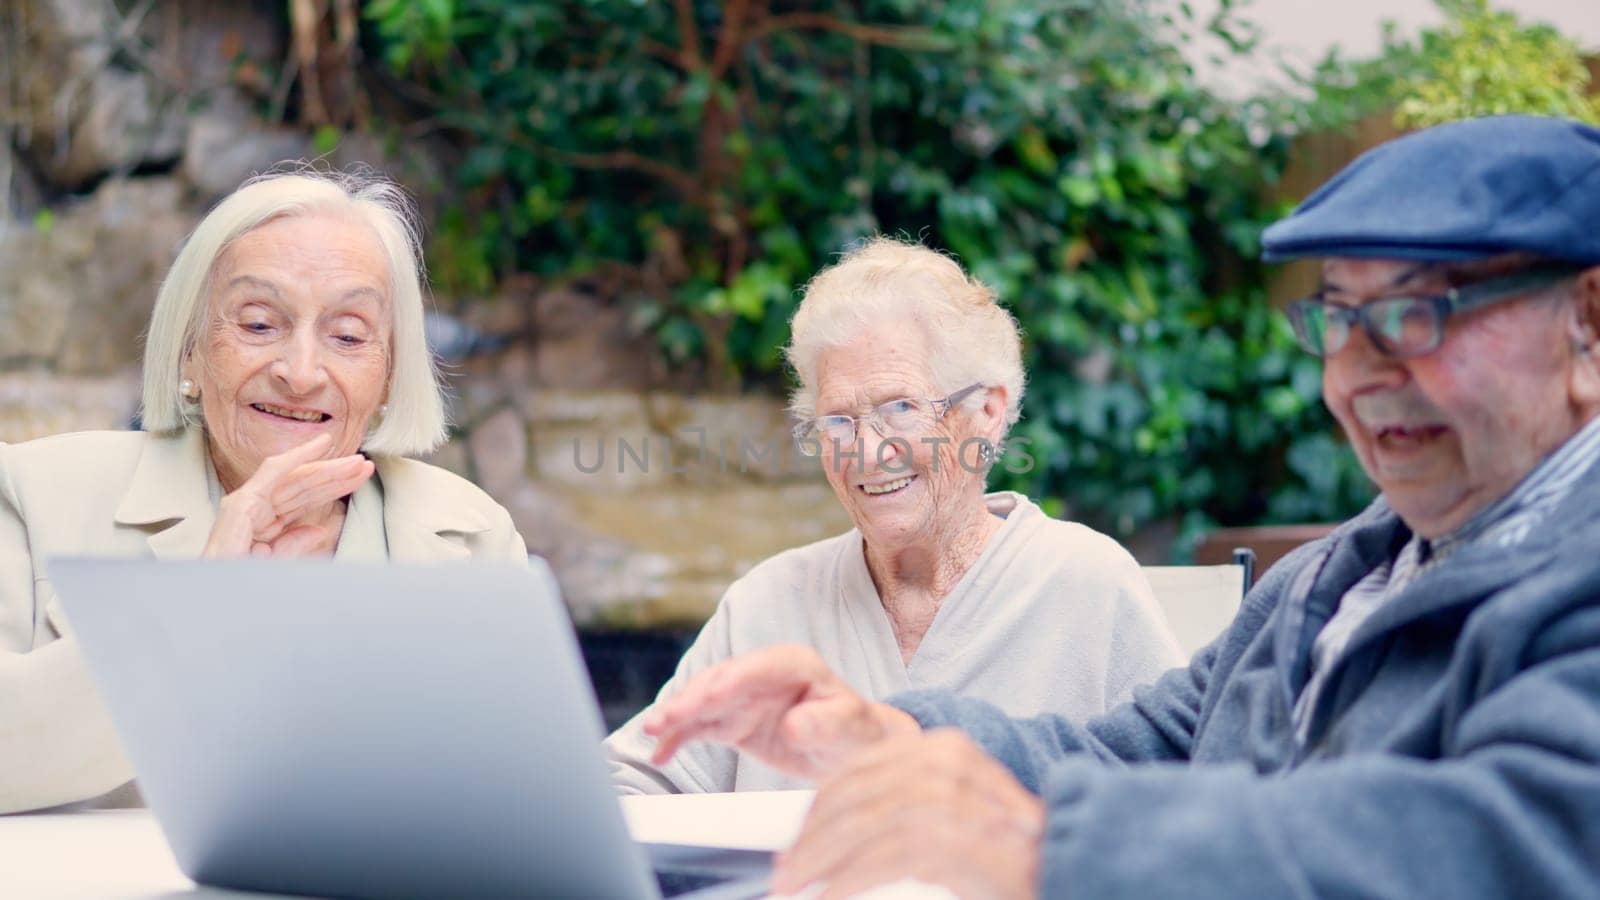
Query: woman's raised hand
(286,507)
(782,705)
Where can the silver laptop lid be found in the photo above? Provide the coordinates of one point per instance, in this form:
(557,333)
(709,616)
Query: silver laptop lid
(360,731)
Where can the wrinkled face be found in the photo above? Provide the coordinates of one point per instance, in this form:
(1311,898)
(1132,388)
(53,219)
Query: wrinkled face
(903,492)
(1447,433)
(295,343)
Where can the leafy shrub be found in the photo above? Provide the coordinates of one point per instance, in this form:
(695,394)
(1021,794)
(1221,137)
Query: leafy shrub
(1486,62)
(726,150)
(1480,62)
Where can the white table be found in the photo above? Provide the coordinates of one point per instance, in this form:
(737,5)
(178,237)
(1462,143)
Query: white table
(121,854)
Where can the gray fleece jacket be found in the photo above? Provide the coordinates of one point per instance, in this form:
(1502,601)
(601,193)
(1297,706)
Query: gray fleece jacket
(1455,752)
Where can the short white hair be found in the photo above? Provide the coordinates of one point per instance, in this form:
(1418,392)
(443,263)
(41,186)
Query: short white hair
(414,422)
(971,337)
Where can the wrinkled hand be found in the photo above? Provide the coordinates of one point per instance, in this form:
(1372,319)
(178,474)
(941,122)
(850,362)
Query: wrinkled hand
(782,705)
(933,807)
(271,513)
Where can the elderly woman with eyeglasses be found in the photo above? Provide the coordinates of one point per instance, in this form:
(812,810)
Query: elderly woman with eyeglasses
(910,374)
(286,378)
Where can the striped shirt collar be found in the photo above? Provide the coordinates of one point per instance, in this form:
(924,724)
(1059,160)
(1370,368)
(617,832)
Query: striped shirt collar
(1510,519)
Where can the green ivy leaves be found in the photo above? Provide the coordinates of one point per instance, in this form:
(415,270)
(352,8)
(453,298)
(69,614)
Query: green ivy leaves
(1062,150)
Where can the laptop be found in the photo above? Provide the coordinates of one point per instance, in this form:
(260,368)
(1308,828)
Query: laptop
(367,731)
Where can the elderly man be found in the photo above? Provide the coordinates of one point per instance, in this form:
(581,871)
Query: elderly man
(1409,707)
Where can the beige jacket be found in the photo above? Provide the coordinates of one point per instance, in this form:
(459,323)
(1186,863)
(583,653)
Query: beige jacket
(136,494)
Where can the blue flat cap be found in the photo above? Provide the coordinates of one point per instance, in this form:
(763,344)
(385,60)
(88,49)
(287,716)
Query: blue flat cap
(1459,191)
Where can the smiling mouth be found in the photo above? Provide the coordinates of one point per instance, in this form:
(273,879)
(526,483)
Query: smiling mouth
(888,487)
(298,415)
(1401,437)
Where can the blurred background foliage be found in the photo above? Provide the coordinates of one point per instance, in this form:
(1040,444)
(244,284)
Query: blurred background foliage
(718,152)
(1481,62)
(1486,63)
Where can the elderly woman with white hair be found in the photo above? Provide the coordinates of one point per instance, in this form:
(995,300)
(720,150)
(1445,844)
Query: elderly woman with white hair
(286,378)
(910,375)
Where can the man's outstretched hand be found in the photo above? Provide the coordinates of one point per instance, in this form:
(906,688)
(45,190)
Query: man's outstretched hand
(782,705)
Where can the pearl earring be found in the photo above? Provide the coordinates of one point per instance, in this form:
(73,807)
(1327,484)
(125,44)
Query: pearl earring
(187,389)
(383,410)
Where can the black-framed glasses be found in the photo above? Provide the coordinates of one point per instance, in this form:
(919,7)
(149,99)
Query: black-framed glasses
(1409,326)
(902,418)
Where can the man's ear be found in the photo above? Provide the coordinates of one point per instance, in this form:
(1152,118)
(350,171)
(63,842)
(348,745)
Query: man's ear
(1583,328)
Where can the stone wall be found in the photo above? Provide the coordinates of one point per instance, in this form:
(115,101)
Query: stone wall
(125,121)
(646,502)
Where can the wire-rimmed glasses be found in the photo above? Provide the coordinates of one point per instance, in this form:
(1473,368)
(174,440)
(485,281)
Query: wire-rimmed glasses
(902,418)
